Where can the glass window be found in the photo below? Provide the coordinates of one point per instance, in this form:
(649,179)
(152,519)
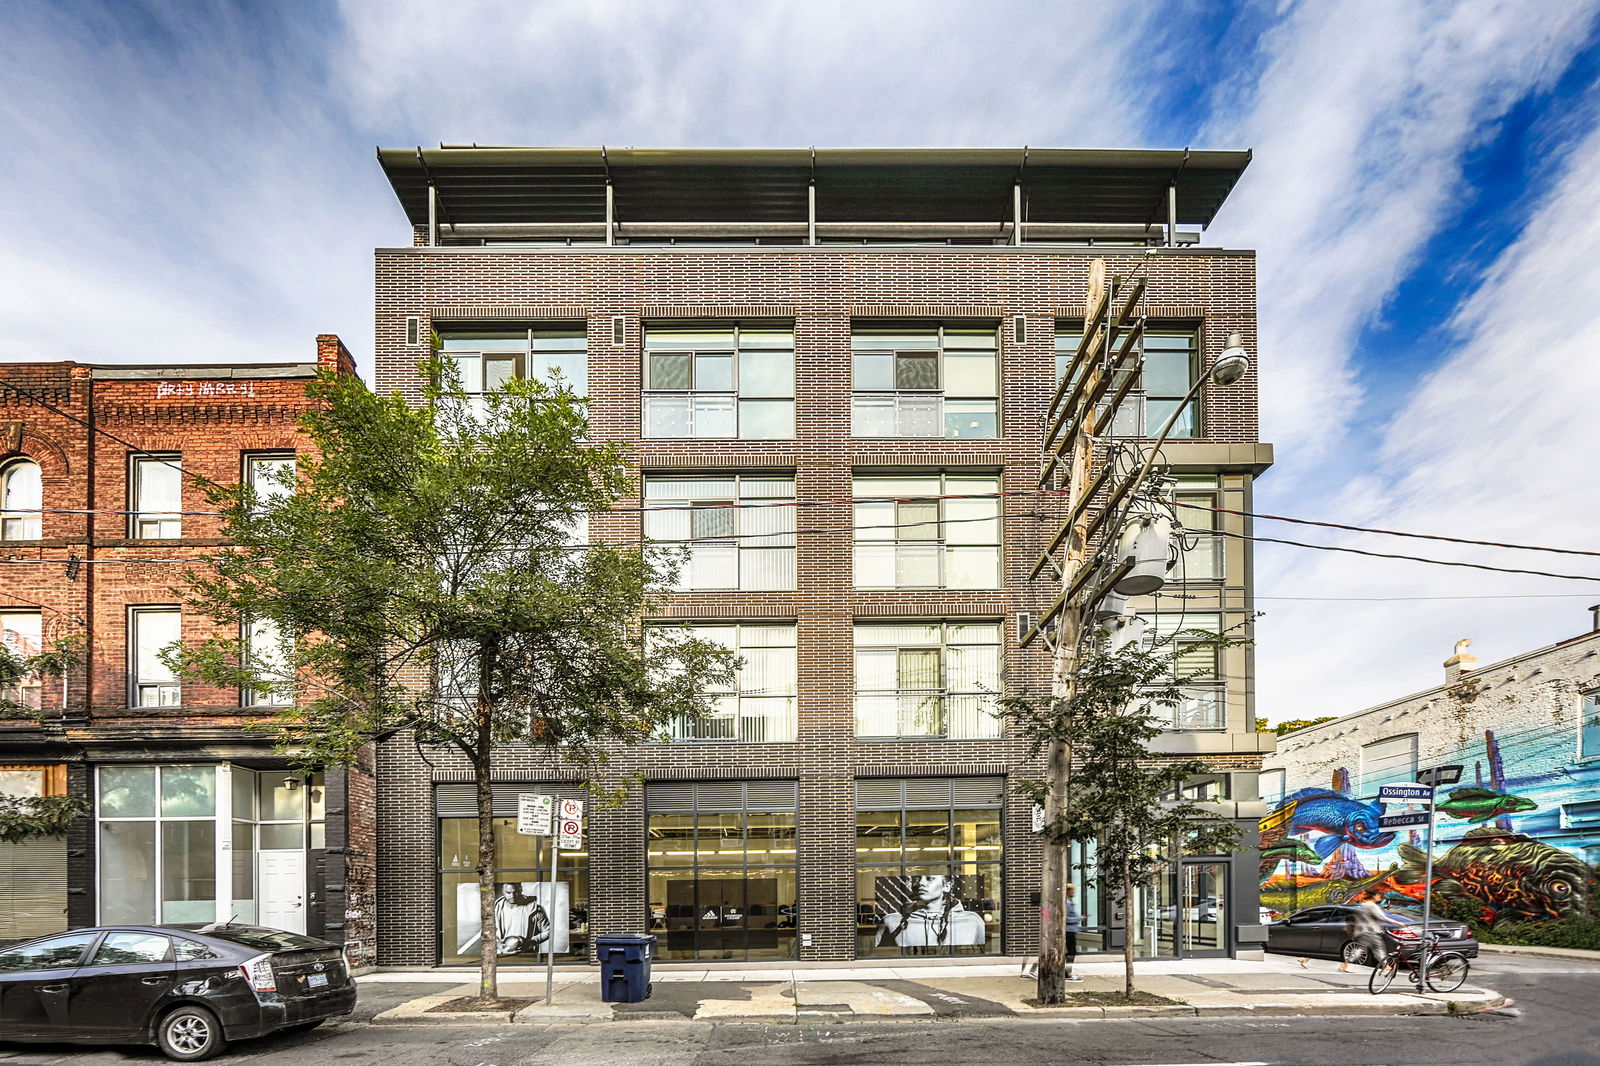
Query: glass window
(1589,727)
(127,792)
(157,497)
(158,853)
(21,633)
(151,629)
(271,477)
(928,881)
(934,542)
(761,705)
(531,915)
(487,359)
(1197,667)
(127,872)
(929,679)
(189,871)
(121,949)
(933,381)
(733,532)
(272,657)
(57,953)
(21,500)
(1170,359)
(716,382)
(1198,499)
(188,791)
(721,884)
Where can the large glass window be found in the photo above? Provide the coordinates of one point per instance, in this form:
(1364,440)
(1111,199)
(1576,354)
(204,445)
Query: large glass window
(487,359)
(1197,667)
(761,704)
(21,500)
(22,636)
(721,870)
(935,381)
(735,532)
(1589,727)
(272,656)
(906,536)
(928,867)
(1198,497)
(158,844)
(927,679)
(156,499)
(151,683)
(270,476)
(531,914)
(1170,360)
(719,381)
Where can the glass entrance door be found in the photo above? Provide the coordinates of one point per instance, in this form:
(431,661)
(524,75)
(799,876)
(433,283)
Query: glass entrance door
(1202,912)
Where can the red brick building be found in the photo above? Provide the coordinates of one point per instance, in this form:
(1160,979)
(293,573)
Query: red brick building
(857,348)
(196,818)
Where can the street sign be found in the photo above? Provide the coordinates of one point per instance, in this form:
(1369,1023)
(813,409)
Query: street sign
(534,814)
(1036,824)
(572,809)
(570,837)
(1440,775)
(1413,793)
(1395,821)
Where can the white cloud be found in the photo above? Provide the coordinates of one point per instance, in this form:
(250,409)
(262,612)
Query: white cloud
(1496,444)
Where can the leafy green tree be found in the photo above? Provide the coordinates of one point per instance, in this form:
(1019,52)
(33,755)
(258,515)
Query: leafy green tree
(1127,801)
(27,817)
(427,572)
(1290,726)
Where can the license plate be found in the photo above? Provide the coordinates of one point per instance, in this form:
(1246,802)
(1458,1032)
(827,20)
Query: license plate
(316,980)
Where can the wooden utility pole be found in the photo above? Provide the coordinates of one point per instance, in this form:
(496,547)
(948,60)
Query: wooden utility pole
(1107,355)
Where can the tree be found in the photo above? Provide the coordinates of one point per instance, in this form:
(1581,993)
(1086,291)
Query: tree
(1129,803)
(28,817)
(1290,726)
(427,572)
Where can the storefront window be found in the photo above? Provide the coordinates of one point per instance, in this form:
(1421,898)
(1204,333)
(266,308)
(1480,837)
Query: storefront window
(530,917)
(721,870)
(928,867)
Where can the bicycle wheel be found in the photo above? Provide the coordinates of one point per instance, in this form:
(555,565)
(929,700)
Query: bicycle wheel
(1383,973)
(1447,972)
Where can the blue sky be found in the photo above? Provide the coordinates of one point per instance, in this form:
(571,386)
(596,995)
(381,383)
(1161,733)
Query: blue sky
(195,181)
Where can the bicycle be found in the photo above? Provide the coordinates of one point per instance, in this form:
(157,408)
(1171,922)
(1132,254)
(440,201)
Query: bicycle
(1447,970)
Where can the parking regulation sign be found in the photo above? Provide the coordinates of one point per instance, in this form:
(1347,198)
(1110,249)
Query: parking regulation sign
(534,814)
(570,837)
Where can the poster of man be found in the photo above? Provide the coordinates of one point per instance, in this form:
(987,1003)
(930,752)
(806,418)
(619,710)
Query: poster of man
(924,910)
(527,916)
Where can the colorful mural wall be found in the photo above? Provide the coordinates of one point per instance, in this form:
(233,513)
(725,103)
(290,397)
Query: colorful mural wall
(1518,839)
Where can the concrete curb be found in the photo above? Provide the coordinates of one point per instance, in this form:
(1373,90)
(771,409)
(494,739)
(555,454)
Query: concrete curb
(1569,954)
(1324,1004)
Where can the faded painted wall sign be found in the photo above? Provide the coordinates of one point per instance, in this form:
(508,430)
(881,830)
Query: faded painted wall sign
(167,389)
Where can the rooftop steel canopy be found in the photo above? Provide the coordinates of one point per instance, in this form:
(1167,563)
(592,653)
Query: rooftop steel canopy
(568,185)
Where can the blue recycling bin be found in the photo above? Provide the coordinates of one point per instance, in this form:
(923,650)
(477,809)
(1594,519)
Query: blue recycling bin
(625,966)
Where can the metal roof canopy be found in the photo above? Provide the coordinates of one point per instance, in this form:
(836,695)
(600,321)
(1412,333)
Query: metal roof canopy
(557,185)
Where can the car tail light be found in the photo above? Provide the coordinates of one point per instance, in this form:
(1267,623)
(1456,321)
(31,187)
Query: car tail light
(258,971)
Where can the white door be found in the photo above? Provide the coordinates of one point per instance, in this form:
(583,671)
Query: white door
(283,889)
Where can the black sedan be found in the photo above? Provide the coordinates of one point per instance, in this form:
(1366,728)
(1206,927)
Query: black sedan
(1325,932)
(188,988)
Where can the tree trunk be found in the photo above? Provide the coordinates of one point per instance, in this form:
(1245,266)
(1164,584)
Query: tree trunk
(1127,939)
(1052,986)
(488,978)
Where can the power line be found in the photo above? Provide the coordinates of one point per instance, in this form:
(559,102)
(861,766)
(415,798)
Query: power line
(1408,558)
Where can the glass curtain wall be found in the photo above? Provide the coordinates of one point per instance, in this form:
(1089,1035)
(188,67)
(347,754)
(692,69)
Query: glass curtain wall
(929,858)
(721,870)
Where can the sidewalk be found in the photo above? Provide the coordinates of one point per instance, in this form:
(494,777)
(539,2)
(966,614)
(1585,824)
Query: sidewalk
(932,991)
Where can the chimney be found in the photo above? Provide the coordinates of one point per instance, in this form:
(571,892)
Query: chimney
(333,355)
(1595,614)
(1459,663)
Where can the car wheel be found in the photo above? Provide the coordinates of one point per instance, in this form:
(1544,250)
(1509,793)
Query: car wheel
(190,1034)
(1353,953)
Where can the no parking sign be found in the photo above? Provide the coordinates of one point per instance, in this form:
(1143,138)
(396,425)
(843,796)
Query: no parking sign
(569,835)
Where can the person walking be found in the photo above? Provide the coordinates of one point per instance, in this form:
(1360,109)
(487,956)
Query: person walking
(1074,924)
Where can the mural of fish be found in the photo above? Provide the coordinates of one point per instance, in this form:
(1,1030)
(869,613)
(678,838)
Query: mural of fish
(1510,876)
(1287,896)
(1481,804)
(1290,849)
(1341,819)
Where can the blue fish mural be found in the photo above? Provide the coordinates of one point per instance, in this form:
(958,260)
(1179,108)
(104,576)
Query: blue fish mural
(1339,818)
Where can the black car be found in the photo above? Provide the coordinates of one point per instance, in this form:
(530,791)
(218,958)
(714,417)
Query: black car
(188,988)
(1325,932)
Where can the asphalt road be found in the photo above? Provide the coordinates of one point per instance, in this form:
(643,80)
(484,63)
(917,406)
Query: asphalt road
(1555,1022)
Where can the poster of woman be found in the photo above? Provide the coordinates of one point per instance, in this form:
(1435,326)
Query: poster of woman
(527,917)
(924,910)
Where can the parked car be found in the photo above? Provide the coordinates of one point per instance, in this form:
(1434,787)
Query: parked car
(188,988)
(1324,932)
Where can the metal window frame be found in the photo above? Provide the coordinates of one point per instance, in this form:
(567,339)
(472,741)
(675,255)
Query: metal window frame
(7,518)
(941,540)
(738,538)
(135,612)
(943,693)
(136,513)
(647,390)
(939,354)
(738,691)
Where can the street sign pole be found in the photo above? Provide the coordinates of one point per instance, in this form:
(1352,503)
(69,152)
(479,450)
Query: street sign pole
(1439,775)
(550,928)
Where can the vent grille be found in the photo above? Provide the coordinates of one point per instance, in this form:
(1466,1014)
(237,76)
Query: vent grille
(930,793)
(723,797)
(461,800)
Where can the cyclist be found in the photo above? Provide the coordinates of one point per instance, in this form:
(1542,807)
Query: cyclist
(1366,928)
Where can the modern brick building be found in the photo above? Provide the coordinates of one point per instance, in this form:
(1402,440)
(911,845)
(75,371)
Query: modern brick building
(196,818)
(857,348)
